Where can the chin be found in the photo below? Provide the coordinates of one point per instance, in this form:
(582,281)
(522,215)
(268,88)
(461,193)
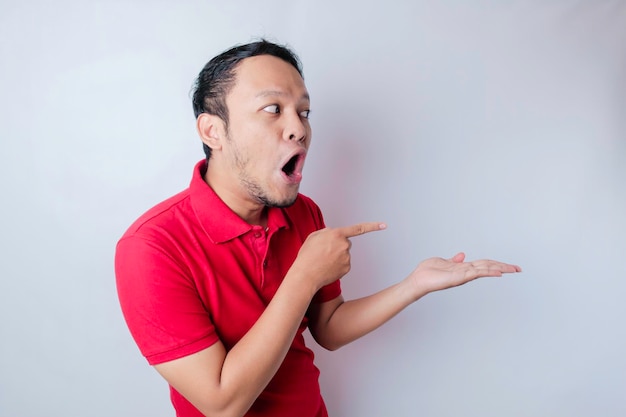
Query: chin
(281,204)
(284,201)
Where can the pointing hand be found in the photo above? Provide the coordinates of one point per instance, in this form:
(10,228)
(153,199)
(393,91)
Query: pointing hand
(325,254)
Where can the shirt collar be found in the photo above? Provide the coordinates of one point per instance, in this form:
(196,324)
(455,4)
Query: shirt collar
(220,223)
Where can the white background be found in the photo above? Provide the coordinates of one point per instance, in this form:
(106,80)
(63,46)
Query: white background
(493,127)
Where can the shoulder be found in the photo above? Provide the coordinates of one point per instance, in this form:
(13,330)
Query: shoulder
(163,217)
(152,242)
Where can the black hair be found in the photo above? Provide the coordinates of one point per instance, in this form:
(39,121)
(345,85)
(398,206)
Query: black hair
(218,76)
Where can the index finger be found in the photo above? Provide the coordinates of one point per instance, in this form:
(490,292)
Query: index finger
(361,228)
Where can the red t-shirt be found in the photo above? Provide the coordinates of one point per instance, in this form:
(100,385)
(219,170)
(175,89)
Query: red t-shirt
(191,272)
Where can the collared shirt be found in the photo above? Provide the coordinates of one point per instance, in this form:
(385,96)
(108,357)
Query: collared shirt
(191,272)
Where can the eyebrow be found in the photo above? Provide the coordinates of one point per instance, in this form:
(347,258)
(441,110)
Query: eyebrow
(268,93)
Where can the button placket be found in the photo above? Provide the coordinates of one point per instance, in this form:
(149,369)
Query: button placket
(260,244)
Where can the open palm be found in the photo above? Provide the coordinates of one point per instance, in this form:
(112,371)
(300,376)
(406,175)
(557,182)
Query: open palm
(436,274)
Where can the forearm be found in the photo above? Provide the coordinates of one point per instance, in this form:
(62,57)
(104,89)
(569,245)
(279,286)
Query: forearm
(356,318)
(221,383)
(335,324)
(254,360)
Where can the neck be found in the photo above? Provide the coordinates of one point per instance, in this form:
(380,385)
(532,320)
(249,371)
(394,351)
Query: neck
(252,212)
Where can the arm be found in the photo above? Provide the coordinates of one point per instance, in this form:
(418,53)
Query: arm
(221,383)
(337,323)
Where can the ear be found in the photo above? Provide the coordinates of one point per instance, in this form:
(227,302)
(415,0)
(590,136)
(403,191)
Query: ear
(211,130)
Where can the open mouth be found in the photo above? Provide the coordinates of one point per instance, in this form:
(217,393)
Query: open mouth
(293,168)
(290,166)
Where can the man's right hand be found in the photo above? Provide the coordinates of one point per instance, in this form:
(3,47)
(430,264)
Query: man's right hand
(325,255)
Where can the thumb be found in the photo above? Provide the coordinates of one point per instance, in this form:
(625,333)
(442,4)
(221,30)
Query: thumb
(458,258)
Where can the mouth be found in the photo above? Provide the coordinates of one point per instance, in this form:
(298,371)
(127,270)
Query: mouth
(292,169)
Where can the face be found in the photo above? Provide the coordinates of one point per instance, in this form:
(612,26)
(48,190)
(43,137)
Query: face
(268,131)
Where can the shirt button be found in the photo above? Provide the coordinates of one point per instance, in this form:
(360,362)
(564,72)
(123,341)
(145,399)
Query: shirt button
(257,234)
(264,264)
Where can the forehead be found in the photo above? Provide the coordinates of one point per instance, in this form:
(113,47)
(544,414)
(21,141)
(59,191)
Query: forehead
(263,73)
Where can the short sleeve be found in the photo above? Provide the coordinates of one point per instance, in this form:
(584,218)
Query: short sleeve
(328,292)
(159,301)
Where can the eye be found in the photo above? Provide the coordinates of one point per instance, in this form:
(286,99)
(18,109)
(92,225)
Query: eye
(272,109)
(305,114)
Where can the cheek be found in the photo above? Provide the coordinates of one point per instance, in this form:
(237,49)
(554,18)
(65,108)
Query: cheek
(256,134)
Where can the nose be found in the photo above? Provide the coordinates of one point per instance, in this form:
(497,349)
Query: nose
(295,129)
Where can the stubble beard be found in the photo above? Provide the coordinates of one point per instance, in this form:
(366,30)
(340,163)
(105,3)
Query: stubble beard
(256,192)
(254,189)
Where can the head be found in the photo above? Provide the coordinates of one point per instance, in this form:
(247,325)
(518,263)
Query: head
(218,77)
(252,110)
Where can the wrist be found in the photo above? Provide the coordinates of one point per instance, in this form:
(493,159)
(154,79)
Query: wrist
(299,281)
(413,288)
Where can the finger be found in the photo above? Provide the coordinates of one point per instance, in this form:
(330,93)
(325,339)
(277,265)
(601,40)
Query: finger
(495,266)
(504,267)
(474,271)
(458,258)
(361,228)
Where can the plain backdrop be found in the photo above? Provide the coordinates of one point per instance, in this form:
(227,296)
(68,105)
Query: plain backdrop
(497,128)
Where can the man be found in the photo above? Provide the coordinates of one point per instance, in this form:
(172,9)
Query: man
(218,283)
